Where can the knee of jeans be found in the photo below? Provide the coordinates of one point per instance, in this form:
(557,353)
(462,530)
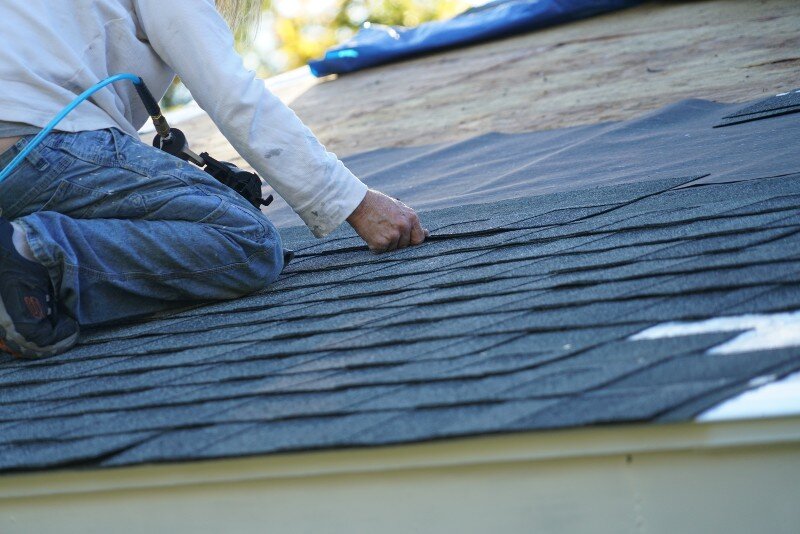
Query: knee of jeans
(242,223)
(264,258)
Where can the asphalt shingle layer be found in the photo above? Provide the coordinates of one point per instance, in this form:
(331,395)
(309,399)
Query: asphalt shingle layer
(675,140)
(781,104)
(514,316)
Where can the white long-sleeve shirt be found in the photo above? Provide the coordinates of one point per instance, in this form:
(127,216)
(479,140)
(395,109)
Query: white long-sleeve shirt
(52,50)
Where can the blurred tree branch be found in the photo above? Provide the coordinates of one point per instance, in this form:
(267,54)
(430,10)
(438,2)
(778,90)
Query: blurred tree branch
(307,37)
(300,30)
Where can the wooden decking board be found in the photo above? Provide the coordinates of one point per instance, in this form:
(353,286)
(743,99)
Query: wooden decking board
(611,67)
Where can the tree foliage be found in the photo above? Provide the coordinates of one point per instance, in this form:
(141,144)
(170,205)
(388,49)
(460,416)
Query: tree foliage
(299,30)
(306,36)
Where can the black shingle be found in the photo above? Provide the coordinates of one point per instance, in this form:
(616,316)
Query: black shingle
(616,405)
(781,104)
(52,454)
(516,315)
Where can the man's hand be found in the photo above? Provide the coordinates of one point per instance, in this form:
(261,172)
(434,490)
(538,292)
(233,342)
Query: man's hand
(386,224)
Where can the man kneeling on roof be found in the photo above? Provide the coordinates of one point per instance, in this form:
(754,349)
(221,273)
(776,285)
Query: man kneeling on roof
(97,226)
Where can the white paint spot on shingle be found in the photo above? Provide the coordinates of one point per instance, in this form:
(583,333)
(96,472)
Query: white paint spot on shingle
(777,399)
(768,398)
(761,381)
(758,332)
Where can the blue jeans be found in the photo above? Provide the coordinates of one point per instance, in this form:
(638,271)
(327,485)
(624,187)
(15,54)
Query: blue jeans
(127,230)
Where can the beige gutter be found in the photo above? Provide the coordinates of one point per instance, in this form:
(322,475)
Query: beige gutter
(732,476)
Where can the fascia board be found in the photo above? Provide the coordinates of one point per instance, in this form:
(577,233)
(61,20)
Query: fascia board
(486,450)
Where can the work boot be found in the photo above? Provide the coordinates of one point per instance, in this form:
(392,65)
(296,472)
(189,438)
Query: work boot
(30,323)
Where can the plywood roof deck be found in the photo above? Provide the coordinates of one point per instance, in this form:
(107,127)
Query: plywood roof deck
(610,67)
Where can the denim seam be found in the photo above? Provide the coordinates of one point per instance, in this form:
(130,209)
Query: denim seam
(86,212)
(260,223)
(51,264)
(227,205)
(117,138)
(147,198)
(41,254)
(217,213)
(124,166)
(161,276)
(34,158)
(59,140)
(114,162)
(99,161)
(107,163)
(44,181)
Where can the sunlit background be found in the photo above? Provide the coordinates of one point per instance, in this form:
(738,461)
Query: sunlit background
(291,32)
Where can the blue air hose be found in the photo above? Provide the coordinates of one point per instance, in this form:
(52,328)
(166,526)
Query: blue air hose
(170,140)
(149,102)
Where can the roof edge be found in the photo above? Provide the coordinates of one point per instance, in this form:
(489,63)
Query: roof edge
(482,450)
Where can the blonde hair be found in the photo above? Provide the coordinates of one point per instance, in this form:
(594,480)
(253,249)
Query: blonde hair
(242,15)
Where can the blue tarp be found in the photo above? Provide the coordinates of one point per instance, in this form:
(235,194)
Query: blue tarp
(377,44)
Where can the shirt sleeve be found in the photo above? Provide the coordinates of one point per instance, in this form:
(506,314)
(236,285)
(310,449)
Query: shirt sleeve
(193,39)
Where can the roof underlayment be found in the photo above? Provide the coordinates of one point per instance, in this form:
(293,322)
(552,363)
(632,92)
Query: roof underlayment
(518,314)
(676,140)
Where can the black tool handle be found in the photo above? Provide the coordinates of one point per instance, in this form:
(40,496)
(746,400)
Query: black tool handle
(247,184)
(173,144)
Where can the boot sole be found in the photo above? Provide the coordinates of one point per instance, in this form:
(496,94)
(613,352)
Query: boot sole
(12,342)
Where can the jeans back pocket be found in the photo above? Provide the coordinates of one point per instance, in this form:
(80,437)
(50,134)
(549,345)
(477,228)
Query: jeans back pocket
(73,200)
(29,180)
